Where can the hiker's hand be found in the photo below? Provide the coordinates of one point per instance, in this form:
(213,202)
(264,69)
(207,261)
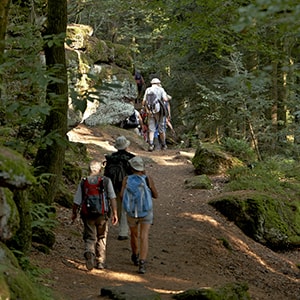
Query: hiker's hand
(74,216)
(114,219)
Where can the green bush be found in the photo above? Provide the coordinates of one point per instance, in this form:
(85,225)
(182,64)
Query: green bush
(240,149)
(275,175)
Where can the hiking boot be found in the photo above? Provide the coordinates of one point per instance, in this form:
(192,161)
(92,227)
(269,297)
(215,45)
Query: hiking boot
(100,266)
(151,147)
(89,260)
(142,267)
(135,259)
(164,147)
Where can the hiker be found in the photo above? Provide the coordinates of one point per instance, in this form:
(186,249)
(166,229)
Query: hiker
(134,122)
(140,82)
(153,102)
(144,131)
(139,220)
(116,168)
(95,221)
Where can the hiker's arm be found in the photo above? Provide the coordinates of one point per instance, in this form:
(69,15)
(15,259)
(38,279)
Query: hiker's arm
(114,219)
(108,186)
(152,187)
(123,187)
(77,202)
(75,210)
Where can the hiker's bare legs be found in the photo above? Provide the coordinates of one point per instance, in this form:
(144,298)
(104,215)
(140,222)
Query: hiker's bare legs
(144,236)
(134,242)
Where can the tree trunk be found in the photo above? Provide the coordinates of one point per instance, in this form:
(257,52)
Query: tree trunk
(51,158)
(4,8)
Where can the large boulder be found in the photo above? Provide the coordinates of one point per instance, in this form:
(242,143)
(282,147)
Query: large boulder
(100,79)
(9,216)
(14,284)
(210,159)
(14,175)
(265,218)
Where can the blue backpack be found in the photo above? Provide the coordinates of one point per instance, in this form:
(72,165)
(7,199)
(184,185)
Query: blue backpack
(137,196)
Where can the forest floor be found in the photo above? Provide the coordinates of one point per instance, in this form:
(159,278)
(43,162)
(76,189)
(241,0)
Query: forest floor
(186,243)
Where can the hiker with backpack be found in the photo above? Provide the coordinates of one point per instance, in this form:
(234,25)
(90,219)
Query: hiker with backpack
(139,83)
(95,198)
(153,101)
(137,192)
(116,168)
(134,121)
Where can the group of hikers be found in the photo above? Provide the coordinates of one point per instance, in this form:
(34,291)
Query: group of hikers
(122,192)
(119,188)
(155,115)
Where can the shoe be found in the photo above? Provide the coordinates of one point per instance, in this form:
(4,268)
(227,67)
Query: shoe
(164,147)
(100,266)
(151,147)
(89,260)
(122,238)
(142,267)
(135,259)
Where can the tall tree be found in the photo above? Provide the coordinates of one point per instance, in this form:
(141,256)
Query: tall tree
(4,7)
(50,159)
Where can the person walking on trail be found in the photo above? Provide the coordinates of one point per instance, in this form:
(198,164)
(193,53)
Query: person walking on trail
(96,200)
(137,192)
(153,102)
(116,168)
(139,83)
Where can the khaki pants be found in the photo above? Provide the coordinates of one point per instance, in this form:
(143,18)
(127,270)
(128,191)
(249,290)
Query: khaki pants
(95,236)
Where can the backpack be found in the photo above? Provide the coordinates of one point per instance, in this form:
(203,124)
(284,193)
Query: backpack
(131,122)
(116,168)
(152,101)
(137,196)
(94,200)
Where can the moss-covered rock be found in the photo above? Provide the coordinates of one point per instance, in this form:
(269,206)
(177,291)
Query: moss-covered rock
(210,159)
(231,291)
(9,216)
(198,182)
(269,220)
(14,283)
(78,35)
(14,170)
(64,196)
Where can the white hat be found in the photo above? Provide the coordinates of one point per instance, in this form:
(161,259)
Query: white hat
(121,143)
(137,163)
(155,81)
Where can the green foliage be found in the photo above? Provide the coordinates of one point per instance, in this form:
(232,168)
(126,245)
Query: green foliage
(239,149)
(225,243)
(276,175)
(43,216)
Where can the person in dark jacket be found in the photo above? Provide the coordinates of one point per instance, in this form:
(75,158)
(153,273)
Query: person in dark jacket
(122,156)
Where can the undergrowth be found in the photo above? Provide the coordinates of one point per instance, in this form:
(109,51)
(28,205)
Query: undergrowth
(275,175)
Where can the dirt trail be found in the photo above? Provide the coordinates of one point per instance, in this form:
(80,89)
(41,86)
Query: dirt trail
(185,246)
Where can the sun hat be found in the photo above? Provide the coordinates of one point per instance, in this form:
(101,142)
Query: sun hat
(137,163)
(155,81)
(121,143)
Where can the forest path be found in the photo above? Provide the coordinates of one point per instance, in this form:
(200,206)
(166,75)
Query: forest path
(186,243)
